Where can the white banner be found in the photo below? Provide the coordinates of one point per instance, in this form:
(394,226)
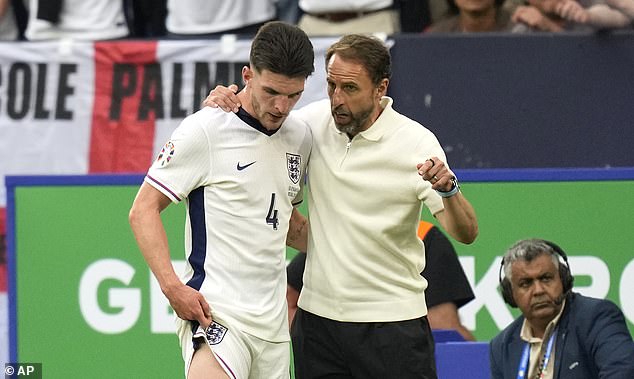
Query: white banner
(45,108)
(78,108)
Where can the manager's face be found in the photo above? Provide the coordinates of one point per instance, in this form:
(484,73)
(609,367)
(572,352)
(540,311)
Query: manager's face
(354,98)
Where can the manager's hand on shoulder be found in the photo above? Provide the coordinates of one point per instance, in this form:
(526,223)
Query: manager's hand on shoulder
(224,98)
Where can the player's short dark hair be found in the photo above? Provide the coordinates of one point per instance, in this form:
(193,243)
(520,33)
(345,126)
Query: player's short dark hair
(282,49)
(370,51)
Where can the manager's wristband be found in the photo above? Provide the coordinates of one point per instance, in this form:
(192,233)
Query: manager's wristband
(455,188)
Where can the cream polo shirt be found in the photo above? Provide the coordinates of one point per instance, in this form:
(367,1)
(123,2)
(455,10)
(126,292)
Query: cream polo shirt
(538,348)
(364,204)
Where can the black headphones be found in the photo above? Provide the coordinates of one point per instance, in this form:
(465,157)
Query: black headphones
(564,273)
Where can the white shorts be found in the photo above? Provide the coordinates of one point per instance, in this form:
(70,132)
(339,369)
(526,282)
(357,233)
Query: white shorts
(241,355)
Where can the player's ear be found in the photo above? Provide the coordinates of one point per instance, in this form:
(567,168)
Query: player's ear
(247,74)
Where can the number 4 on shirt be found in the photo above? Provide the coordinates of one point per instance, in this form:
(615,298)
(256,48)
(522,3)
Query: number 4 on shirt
(271,217)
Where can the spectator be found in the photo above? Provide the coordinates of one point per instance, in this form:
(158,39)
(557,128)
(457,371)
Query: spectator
(560,333)
(625,6)
(288,11)
(448,288)
(364,16)
(338,17)
(416,15)
(542,16)
(473,16)
(212,18)
(597,15)
(8,24)
(76,19)
(147,18)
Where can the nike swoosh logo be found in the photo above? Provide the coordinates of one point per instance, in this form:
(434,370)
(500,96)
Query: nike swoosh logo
(240,168)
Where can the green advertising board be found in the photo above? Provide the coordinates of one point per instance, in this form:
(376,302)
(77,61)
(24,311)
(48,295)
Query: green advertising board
(81,300)
(84,303)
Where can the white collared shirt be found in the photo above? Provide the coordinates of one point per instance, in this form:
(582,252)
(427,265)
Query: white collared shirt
(537,346)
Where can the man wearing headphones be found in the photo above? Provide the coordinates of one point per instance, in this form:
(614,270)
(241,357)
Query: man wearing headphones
(560,334)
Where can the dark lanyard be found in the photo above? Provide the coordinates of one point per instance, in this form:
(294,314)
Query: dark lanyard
(522,371)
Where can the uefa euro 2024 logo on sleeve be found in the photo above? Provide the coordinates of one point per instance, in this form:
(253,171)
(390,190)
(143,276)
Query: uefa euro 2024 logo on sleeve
(166,154)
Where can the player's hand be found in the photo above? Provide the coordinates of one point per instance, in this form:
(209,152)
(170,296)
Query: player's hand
(224,98)
(437,173)
(189,304)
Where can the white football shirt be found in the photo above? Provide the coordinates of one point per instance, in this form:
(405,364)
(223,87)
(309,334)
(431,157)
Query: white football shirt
(240,185)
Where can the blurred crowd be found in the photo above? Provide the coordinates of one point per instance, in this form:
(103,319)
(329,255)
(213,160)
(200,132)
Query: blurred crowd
(110,19)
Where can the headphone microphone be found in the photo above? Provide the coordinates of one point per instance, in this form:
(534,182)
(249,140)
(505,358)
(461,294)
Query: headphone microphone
(564,274)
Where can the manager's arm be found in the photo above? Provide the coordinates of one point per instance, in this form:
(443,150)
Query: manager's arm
(458,218)
(297,236)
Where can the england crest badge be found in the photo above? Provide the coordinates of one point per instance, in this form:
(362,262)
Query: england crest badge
(293,164)
(215,333)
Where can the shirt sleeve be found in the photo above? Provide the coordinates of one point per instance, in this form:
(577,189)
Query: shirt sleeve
(183,162)
(295,271)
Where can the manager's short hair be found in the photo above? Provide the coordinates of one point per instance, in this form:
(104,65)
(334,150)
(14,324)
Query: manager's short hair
(369,51)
